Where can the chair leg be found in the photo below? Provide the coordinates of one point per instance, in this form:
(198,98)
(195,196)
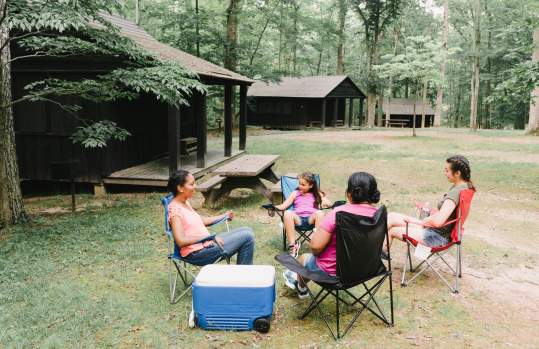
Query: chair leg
(459,255)
(406,260)
(172,281)
(338,315)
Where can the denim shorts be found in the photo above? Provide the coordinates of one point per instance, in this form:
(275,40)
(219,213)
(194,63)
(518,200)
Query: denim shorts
(310,263)
(432,238)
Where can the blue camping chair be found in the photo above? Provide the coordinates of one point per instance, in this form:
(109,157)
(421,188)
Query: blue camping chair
(288,185)
(179,264)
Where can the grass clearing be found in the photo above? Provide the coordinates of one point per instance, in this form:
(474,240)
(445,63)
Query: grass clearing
(98,277)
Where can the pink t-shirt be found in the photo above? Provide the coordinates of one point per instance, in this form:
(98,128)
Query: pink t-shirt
(192,224)
(327,260)
(304,204)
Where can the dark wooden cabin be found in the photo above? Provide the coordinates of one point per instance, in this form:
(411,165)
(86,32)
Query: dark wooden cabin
(43,130)
(307,101)
(401,113)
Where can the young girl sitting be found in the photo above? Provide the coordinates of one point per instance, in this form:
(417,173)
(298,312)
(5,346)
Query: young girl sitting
(306,200)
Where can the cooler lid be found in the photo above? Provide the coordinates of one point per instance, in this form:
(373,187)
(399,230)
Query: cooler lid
(223,275)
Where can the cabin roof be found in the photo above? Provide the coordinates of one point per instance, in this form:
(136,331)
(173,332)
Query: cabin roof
(302,87)
(166,52)
(405,106)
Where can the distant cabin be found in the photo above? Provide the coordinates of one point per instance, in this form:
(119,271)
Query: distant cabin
(401,112)
(164,138)
(296,102)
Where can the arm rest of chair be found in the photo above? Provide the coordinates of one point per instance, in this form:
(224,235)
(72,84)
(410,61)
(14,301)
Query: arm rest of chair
(338,203)
(418,222)
(272,210)
(292,264)
(219,221)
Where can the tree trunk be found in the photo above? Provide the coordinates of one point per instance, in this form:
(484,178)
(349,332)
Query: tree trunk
(424,100)
(533,121)
(371,81)
(231,58)
(440,91)
(280,36)
(390,87)
(379,113)
(295,42)
(11,205)
(341,38)
(474,86)
(414,116)
(488,90)
(137,12)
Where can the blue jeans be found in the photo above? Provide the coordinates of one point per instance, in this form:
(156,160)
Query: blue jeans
(239,240)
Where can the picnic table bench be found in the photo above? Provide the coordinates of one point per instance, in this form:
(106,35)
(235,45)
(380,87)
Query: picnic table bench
(314,123)
(188,145)
(396,122)
(244,172)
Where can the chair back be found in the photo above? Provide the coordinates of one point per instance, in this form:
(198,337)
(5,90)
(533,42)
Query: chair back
(465,203)
(359,246)
(165,201)
(289,184)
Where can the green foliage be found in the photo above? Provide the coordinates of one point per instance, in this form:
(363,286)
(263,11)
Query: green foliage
(77,28)
(517,83)
(99,134)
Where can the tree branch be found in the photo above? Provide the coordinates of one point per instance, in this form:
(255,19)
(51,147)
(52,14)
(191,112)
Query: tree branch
(262,34)
(13,38)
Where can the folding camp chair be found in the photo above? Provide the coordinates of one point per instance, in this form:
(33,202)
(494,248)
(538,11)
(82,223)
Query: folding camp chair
(178,263)
(437,253)
(359,245)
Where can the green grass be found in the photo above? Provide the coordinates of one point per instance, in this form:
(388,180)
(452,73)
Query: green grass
(98,277)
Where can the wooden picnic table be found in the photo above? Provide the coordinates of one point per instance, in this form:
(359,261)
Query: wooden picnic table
(244,172)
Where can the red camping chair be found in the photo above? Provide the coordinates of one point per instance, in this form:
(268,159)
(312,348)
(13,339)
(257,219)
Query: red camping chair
(438,252)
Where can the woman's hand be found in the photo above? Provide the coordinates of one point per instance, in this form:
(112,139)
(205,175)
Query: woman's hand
(229,214)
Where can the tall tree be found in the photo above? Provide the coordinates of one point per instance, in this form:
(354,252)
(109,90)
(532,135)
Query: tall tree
(533,121)
(476,67)
(11,205)
(440,90)
(231,45)
(375,15)
(341,36)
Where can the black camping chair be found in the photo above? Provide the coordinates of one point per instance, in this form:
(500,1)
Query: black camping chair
(359,245)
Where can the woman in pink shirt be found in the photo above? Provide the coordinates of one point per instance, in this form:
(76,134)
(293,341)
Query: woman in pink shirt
(188,227)
(361,194)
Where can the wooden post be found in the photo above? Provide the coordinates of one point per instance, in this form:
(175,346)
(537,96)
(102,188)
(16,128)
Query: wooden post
(202,128)
(350,112)
(174,161)
(243,116)
(361,100)
(335,111)
(323,114)
(228,120)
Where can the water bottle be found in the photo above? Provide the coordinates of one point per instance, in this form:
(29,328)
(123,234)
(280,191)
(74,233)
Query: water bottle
(425,211)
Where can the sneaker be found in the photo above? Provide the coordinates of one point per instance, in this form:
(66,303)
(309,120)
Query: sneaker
(293,250)
(291,281)
(302,291)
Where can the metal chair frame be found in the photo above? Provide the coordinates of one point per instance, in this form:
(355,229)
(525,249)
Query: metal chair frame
(178,266)
(437,254)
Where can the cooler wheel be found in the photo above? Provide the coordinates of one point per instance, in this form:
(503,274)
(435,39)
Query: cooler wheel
(192,319)
(262,325)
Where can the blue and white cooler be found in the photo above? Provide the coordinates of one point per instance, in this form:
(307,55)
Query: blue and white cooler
(233,297)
